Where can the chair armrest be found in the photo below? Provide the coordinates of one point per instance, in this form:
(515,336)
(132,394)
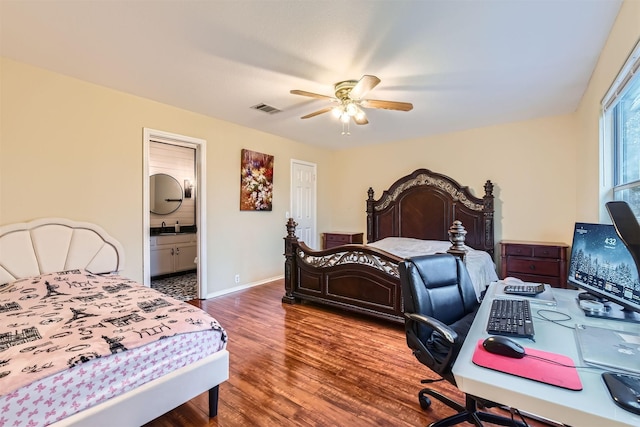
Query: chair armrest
(444,330)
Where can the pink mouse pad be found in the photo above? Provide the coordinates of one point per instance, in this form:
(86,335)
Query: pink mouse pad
(548,368)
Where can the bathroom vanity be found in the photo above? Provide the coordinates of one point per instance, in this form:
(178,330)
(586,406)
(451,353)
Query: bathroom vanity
(173,253)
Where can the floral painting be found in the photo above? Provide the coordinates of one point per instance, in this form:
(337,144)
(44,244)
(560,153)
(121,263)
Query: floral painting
(256,181)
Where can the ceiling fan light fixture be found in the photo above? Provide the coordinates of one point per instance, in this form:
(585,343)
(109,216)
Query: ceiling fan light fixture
(350,99)
(351,108)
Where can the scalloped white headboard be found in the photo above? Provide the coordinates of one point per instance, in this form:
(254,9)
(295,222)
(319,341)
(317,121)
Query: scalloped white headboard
(48,245)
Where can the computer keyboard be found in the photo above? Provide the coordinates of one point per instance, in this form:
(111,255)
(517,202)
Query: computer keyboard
(510,317)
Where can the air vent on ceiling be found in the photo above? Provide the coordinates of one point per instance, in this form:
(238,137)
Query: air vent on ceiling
(266,108)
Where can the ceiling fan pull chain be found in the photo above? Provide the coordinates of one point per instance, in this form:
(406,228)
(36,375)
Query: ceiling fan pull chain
(347,126)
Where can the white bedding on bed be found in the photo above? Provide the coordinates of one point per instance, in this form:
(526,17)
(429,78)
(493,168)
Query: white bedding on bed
(479,263)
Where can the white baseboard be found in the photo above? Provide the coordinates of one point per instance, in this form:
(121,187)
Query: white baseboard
(242,287)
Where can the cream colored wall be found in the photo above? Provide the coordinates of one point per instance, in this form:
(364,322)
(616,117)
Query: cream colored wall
(73,149)
(546,171)
(532,165)
(590,191)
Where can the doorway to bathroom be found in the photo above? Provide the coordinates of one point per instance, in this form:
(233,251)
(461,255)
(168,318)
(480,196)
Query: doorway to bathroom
(174,214)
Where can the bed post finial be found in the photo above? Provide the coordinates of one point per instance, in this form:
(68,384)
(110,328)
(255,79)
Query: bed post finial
(457,235)
(488,188)
(291,228)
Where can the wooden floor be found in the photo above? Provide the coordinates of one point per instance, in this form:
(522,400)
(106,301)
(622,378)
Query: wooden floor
(305,365)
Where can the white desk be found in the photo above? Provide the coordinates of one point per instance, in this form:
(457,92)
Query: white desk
(592,406)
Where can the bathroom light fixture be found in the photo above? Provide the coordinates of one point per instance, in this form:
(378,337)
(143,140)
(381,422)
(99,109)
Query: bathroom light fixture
(188,186)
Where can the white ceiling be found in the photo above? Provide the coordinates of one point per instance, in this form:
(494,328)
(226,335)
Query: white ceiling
(463,64)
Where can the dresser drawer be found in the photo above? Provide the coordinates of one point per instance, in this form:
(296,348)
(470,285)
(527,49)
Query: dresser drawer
(538,267)
(534,251)
(554,252)
(519,250)
(535,261)
(330,240)
(338,238)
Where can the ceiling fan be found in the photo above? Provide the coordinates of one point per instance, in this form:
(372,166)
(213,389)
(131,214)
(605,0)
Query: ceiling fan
(349,95)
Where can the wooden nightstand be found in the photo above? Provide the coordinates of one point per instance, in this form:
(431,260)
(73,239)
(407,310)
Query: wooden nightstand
(539,262)
(330,240)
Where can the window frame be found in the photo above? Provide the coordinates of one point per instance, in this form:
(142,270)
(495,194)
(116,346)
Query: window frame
(610,127)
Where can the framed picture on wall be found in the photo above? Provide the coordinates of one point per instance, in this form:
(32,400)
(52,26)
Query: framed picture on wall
(256,181)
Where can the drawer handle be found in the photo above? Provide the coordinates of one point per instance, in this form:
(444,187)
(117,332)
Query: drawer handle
(532,267)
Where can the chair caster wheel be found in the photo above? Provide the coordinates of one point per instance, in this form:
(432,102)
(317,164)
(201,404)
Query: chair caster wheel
(425,402)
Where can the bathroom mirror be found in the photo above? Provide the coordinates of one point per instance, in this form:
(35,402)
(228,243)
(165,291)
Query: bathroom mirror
(165,194)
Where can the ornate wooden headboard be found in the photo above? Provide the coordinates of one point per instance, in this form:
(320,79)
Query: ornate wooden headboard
(424,204)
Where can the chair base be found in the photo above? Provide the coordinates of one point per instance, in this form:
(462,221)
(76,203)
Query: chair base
(477,418)
(468,413)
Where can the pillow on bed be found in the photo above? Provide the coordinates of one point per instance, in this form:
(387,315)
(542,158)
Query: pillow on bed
(479,263)
(406,247)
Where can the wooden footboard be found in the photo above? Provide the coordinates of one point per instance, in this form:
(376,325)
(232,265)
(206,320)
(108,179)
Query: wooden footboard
(352,277)
(357,278)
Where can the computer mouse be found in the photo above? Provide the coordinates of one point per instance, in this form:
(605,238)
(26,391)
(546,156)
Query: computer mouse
(624,390)
(504,347)
(513,281)
(586,296)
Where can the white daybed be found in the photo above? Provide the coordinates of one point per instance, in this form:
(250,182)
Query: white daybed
(50,245)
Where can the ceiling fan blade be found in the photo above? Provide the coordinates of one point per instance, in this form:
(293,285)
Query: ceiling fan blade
(361,121)
(310,94)
(315,113)
(364,85)
(387,105)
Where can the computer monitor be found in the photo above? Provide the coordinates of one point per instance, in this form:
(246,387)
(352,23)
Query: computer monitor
(602,265)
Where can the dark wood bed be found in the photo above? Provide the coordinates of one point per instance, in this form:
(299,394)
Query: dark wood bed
(362,279)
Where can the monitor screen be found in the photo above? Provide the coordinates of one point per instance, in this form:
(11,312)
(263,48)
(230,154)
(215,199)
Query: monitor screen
(602,265)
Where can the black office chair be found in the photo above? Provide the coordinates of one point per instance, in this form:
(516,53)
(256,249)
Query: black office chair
(440,305)
(627,227)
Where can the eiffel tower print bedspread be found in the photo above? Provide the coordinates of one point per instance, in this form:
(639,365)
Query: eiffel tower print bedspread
(71,319)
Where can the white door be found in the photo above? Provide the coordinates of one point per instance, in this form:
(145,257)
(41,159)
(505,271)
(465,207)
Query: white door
(303,200)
